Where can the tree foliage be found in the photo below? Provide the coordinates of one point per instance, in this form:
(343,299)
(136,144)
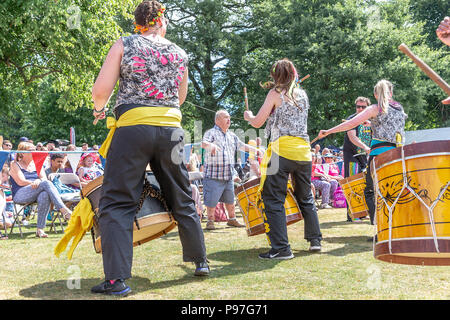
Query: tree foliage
(49,59)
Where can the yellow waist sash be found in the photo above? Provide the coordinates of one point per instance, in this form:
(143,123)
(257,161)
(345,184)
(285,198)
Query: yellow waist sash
(292,148)
(152,116)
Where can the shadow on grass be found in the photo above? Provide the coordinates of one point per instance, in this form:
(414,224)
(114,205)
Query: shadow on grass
(67,289)
(353,244)
(331,224)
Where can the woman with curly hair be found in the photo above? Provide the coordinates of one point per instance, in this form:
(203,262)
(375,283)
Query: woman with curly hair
(153,77)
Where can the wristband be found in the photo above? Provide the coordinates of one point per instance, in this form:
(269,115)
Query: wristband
(99,111)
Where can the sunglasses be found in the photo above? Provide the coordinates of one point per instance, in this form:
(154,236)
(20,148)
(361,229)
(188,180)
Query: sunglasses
(361,107)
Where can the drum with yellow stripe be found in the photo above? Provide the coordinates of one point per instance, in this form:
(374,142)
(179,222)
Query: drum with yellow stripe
(353,188)
(412,185)
(252,211)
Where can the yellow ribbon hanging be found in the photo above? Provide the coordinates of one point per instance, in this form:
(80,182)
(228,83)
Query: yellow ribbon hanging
(80,222)
(152,116)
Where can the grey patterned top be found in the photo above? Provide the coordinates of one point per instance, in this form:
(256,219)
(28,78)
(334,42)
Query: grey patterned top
(386,125)
(289,119)
(150,72)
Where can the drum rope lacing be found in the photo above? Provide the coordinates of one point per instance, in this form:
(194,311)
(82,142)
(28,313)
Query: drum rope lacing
(407,186)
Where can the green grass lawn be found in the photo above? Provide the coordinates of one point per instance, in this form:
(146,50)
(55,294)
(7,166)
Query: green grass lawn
(345,269)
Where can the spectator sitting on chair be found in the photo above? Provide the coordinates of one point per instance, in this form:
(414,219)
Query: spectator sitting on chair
(56,164)
(323,183)
(332,168)
(88,170)
(28,186)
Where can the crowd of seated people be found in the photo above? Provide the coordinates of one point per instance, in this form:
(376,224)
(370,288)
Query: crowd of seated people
(21,183)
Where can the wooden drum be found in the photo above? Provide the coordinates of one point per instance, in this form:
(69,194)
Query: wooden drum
(353,188)
(152,218)
(412,186)
(252,211)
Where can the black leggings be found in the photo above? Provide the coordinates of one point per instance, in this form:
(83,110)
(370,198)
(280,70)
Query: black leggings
(274,195)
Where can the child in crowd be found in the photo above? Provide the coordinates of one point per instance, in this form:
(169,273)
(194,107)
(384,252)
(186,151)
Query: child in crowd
(89,169)
(6,205)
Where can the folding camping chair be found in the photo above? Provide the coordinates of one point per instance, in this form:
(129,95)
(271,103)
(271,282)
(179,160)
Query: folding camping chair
(70,199)
(19,214)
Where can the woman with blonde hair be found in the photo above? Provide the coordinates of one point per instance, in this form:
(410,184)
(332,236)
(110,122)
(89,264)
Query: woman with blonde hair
(388,130)
(288,154)
(28,186)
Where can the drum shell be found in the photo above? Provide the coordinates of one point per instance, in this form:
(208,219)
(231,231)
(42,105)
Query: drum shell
(353,188)
(410,233)
(252,211)
(152,221)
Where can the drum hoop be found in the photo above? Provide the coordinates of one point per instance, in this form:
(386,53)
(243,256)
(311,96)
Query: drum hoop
(414,238)
(247,185)
(421,148)
(382,165)
(92,186)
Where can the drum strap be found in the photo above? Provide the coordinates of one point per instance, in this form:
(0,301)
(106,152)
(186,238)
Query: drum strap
(407,186)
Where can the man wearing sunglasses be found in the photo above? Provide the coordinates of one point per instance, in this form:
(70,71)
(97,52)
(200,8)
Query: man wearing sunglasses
(357,144)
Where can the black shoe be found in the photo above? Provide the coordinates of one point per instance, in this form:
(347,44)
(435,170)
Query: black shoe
(118,288)
(201,269)
(314,245)
(278,255)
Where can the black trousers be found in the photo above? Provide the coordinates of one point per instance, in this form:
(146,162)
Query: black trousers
(274,195)
(362,164)
(369,193)
(132,148)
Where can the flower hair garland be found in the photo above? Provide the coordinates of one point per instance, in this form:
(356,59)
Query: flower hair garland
(143,29)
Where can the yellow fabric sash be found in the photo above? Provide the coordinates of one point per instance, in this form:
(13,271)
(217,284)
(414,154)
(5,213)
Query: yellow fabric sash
(152,116)
(292,148)
(80,222)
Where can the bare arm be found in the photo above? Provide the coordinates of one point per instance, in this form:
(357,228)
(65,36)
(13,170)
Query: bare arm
(368,113)
(108,76)
(18,176)
(183,89)
(272,100)
(356,141)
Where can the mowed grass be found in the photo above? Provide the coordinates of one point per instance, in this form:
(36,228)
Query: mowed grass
(345,269)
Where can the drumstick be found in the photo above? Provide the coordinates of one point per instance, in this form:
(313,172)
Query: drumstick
(98,118)
(245,98)
(304,78)
(314,140)
(425,68)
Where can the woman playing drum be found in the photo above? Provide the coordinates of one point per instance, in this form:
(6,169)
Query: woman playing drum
(153,84)
(388,124)
(286,111)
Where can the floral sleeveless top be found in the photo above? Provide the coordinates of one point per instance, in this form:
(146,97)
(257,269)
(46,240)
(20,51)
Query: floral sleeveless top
(150,72)
(289,119)
(385,126)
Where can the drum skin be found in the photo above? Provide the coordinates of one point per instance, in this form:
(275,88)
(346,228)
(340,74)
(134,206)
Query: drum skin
(152,220)
(411,233)
(353,188)
(252,212)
